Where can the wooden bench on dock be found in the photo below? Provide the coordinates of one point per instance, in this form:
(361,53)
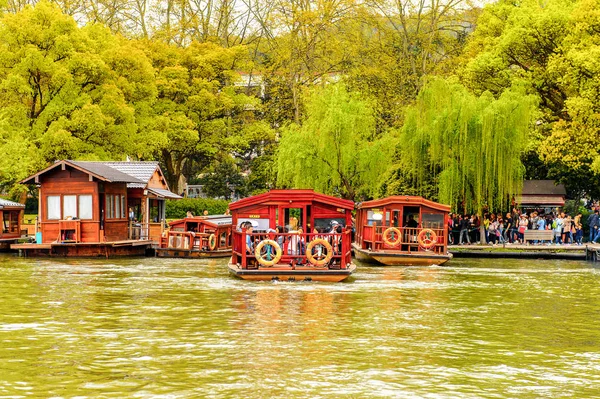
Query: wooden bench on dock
(538,235)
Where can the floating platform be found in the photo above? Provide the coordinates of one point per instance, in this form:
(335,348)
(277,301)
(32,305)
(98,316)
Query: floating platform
(86,249)
(569,251)
(191,253)
(288,273)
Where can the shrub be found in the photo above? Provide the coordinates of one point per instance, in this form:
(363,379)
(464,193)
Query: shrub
(177,209)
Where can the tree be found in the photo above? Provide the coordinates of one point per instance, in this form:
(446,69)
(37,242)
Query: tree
(336,149)
(471,146)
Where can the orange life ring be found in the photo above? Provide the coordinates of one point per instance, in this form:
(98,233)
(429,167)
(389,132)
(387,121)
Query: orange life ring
(268,253)
(427,238)
(212,242)
(319,259)
(395,234)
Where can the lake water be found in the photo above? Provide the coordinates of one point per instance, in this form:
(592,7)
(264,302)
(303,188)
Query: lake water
(158,328)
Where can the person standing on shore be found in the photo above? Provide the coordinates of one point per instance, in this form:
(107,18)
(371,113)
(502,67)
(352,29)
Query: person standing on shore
(578,229)
(594,221)
(465,224)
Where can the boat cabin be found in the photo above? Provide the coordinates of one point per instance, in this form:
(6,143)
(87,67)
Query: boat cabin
(208,236)
(10,215)
(97,202)
(407,229)
(291,230)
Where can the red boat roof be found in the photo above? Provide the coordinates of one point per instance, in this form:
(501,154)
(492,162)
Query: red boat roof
(285,196)
(404,200)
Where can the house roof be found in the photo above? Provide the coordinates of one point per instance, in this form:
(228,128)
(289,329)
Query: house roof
(284,196)
(543,187)
(136,174)
(405,200)
(99,170)
(10,204)
(546,200)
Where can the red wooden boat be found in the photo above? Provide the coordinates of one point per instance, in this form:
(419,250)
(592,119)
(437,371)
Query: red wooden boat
(292,235)
(402,230)
(197,237)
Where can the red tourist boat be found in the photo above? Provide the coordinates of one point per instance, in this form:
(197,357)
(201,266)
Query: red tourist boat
(402,230)
(292,235)
(197,237)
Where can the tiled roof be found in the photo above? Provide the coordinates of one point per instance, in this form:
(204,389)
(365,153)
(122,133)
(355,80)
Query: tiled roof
(140,170)
(543,187)
(106,171)
(7,203)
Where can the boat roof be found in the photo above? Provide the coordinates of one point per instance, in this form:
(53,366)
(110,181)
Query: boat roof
(274,197)
(10,204)
(215,220)
(403,200)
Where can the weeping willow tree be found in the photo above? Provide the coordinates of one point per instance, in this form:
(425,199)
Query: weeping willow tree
(335,150)
(471,145)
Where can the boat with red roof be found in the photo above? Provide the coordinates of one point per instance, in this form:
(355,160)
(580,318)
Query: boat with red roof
(197,237)
(292,235)
(402,230)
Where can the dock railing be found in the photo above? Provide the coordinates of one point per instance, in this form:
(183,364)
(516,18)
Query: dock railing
(295,247)
(407,241)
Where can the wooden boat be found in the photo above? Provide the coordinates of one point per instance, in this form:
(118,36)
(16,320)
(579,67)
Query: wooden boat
(402,230)
(10,217)
(197,237)
(296,235)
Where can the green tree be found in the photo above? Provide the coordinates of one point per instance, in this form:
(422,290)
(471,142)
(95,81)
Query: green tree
(470,146)
(336,149)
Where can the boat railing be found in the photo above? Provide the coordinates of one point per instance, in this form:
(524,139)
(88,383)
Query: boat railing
(331,250)
(404,239)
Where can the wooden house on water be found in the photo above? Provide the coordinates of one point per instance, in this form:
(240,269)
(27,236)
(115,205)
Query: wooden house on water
(98,208)
(10,216)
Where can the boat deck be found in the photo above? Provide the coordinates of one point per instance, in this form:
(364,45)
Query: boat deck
(282,272)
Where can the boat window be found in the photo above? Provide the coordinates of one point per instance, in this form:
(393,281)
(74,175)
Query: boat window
(374,218)
(259,225)
(433,220)
(325,225)
(395,218)
(293,218)
(53,203)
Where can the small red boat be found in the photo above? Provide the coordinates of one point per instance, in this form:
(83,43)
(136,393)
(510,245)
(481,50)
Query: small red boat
(402,230)
(197,237)
(292,235)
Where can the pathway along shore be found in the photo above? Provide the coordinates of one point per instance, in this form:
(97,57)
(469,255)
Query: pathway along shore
(581,252)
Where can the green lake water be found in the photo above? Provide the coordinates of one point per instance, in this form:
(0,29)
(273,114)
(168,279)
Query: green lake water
(155,328)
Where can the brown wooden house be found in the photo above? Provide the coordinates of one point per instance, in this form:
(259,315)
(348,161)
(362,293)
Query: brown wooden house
(89,202)
(10,216)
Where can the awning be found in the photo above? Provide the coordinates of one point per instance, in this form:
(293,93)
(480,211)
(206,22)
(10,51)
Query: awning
(546,200)
(161,193)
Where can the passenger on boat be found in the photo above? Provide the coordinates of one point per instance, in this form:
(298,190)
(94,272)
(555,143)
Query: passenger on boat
(189,214)
(227,212)
(412,223)
(249,243)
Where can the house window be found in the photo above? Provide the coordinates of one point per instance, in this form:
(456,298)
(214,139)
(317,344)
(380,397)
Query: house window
(53,207)
(85,207)
(123,215)
(70,206)
(117,213)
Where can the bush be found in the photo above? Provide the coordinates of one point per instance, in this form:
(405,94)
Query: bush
(177,209)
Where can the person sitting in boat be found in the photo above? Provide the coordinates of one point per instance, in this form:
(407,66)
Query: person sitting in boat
(412,223)
(249,243)
(189,214)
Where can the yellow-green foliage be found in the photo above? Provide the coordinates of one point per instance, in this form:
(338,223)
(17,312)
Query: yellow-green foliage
(336,149)
(471,144)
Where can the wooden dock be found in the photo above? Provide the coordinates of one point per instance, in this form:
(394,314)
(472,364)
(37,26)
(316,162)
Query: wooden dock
(568,251)
(86,249)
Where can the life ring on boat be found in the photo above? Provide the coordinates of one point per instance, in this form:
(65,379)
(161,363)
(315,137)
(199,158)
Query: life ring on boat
(318,258)
(212,242)
(268,253)
(391,237)
(427,238)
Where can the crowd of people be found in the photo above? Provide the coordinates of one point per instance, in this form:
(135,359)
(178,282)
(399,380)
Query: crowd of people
(510,228)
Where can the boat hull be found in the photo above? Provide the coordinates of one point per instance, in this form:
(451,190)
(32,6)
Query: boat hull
(187,253)
(390,258)
(286,273)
